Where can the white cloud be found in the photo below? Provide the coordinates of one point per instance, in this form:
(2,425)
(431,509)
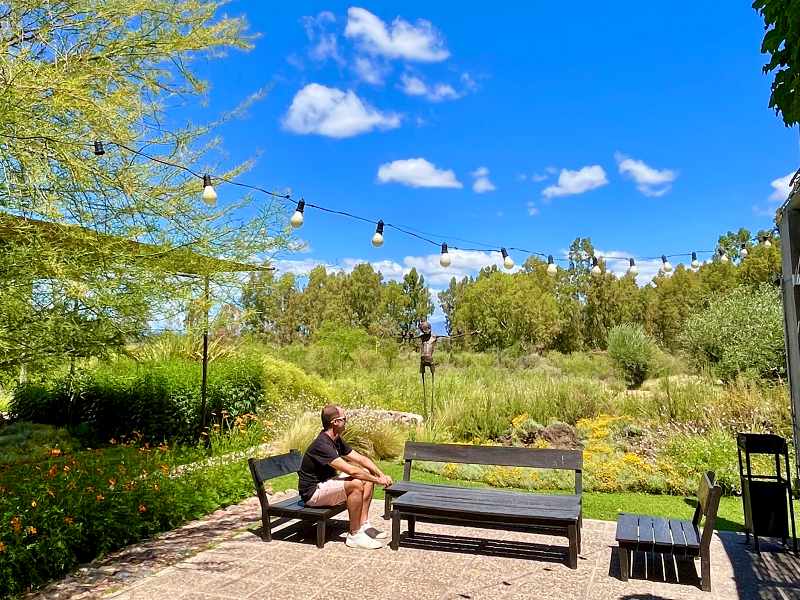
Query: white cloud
(414,86)
(533,210)
(334,113)
(781,187)
(325,45)
(301,267)
(417,172)
(482,183)
(418,42)
(577,182)
(539,177)
(369,70)
(650,181)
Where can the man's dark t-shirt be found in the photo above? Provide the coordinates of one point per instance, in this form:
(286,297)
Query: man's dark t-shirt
(316,466)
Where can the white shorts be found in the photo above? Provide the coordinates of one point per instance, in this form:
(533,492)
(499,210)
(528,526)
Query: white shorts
(328,493)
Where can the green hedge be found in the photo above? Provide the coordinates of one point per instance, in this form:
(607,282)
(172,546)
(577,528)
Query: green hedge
(161,401)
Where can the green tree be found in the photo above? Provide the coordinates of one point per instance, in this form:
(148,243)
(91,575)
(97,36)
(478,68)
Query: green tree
(363,293)
(450,298)
(419,305)
(73,72)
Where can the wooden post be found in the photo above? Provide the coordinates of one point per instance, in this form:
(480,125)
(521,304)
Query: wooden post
(204,384)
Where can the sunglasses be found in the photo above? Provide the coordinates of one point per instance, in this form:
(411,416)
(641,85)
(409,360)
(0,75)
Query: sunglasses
(342,419)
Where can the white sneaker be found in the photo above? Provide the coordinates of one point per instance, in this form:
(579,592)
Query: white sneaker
(373,532)
(362,540)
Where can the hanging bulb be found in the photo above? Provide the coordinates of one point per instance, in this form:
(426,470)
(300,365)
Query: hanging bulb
(377,239)
(722,256)
(552,269)
(297,218)
(595,267)
(508,262)
(209,194)
(633,269)
(665,264)
(767,243)
(743,252)
(444,259)
(98,148)
(695,263)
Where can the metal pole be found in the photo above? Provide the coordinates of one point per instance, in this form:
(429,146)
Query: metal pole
(205,359)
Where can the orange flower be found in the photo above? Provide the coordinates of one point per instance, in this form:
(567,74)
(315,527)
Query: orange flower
(3,489)
(55,452)
(142,508)
(2,547)
(112,482)
(16,524)
(53,471)
(33,503)
(100,497)
(66,469)
(165,469)
(69,520)
(31,530)
(155,486)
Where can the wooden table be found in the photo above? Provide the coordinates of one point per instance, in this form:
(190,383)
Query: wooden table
(492,509)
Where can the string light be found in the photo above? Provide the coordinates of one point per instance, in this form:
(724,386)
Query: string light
(595,267)
(666,267)
(377,239)
(552,269)
(297,218)
(508,262)
(444,259)
(209,194)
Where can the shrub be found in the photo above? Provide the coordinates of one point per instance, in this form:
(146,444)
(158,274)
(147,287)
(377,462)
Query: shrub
(686,456)
(742,333)
(632,351)
(162,401)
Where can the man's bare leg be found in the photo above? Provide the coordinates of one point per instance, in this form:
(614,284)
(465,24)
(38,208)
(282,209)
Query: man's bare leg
(366,500)
(354,488)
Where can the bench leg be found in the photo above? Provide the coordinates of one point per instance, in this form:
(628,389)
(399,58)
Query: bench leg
(395,543)
(266,528)
(572,535)
(624,562)
(387,506)
(705,571)
(321,530)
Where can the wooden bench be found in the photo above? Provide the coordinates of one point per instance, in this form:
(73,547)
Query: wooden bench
(292,508)
(672,536)
(485,508)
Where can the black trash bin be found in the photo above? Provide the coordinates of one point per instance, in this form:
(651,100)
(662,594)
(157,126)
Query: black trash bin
(767,498)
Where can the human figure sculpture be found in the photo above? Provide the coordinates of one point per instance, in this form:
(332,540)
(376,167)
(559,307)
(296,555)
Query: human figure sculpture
(426,349)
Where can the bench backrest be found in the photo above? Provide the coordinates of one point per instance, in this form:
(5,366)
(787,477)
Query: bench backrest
(708,496)
(539,458)
(274,466)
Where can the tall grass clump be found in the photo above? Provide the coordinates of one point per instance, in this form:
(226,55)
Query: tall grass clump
(632,351)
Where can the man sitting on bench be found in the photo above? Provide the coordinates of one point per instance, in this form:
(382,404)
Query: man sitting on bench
(319,484)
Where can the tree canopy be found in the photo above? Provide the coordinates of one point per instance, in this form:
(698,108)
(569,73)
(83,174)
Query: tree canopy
(782,43)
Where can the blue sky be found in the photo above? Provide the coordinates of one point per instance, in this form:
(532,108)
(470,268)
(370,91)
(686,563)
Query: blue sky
(641,125)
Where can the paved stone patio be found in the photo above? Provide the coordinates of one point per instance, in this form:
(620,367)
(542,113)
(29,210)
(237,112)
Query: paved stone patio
(223,558)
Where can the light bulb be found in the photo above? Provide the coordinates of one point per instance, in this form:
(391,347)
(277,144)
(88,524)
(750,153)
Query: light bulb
(297,218)
(552,269)
(377,239)
(695,263)
(767,243)
(508,262)
(444,259)
(633,269)
(98,148)
(665,264)
(595,267)
(743,253)
(209,194)
(722,256)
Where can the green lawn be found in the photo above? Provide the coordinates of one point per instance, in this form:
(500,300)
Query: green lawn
(596,505)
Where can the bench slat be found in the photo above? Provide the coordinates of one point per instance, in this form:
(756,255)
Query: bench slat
(295,506)
(495,455)
(661,535)
(545,508)
(628,529)
(691,534)
(646,539)
(275,466)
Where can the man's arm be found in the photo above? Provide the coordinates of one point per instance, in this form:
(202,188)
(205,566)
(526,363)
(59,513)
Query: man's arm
(357,472)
